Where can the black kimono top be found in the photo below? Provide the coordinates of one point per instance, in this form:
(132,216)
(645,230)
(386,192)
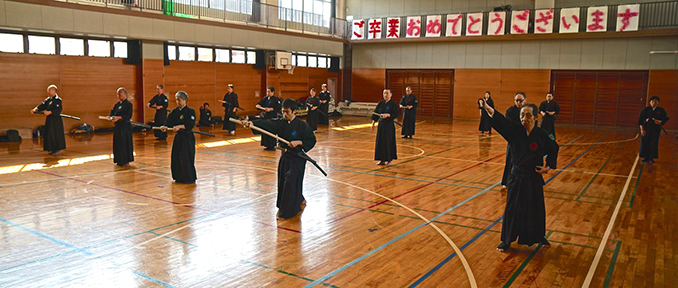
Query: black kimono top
(386,107)
(271,102)
(648,115)
(159,100)
(205,115)
(324,96)
(231,100)
(409,100)
(513,114)
(490,102)
(122,109)
(290,131)
(312,102)
(52,104)
(547,106)
(527,151)
(179,116)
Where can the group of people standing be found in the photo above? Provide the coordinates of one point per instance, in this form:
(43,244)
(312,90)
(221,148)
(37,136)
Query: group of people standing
(548,109)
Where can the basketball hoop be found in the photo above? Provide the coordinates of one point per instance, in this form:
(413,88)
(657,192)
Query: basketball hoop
(290,69)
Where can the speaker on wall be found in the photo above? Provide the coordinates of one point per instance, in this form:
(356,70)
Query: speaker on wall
(334,64)
(261,60)
(133,52)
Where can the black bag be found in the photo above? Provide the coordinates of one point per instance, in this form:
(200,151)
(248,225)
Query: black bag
(13,136)
(83,129)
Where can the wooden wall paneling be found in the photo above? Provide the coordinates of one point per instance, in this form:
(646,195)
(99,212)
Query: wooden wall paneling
(664,83)
(395,81)
(295,85)
(563,88)
(197,79)
(153,74)
(632,98)
(23,85)
(427,85)
(443,95)
(607,92)
(469,86)
(584,98)
(534,82)
(368,85)
(246,81)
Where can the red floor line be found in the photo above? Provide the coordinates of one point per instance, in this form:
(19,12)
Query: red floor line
(417,188)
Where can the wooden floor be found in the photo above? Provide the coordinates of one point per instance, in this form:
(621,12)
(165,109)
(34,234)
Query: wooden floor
(79,220)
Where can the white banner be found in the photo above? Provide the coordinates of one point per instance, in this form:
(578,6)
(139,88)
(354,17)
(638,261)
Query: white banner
(474,24)
(413,27)
(434,25)
(543,21)
(596,19)
(496,24)
(393,28)
(453,28)
(627,17)
(358,29)
(569,20)
(520,21)
(374,28)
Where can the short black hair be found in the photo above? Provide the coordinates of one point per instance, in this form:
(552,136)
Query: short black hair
(291,104)
(160,86)
(520,93)
(488,93)
(654,97)
(206,104)
(271,88)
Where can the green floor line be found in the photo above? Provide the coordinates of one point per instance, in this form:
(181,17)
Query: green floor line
(633,196)
(596,176)
(522,266)
(613,261)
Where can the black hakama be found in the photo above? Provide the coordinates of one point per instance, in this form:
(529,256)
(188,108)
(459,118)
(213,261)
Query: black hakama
(123,147)
(183,147)
(525,212)
(409,115)
(160,114)
(291,167)
(323,118)
(312,116)
(649,144)
(385,145)
(485,120)
(231,100)
(548,121)
(512,114)
(54,138)
(270,102)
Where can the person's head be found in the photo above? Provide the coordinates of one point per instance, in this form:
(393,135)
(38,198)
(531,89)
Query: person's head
(527,116)
(52,90)
(270,91)
(324,87)
(312,92)
(230,88)
(122,93)
(408,90)
(181,98)
(288,108)
(549,96)
(387,94)
(160,89)
(487,94)
(206,105)
(519,99)
(654,101)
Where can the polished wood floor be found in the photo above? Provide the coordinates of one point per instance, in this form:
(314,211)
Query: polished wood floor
(77,220)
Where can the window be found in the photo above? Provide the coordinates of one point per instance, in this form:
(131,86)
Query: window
(205,54)
(99,48)
(11,43)
(251,57)
(322,62)
(73,47)
(41,45)
(294,59)
(186,53)
(171,52)
(315,12)
(223,55)
(120,49)
(301,60)
(238,56)
(312,61)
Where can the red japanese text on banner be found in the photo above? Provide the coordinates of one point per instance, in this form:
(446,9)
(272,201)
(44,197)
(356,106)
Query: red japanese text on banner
(393,28)
(413,29)
(569,20)
(520,21)
(374,28)
(496,23)
(434,25)
(454,22)
(358,29)
(596,20)
(627,17)
(474,24)
(543,21)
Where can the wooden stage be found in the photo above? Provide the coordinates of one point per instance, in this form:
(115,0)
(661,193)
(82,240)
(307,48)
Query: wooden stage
(77,220)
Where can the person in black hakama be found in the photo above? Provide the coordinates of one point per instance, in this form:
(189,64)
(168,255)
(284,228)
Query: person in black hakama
(123,147)
(205,115)
(485,124)
(291,167)
(512,114)
(324,97)
(525,212)
(270,106)
(230,104)
(548,110)
(159,102)
(651,120)
(182,120)
(312,103)
(385,145)
(409,105)
(54,139)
